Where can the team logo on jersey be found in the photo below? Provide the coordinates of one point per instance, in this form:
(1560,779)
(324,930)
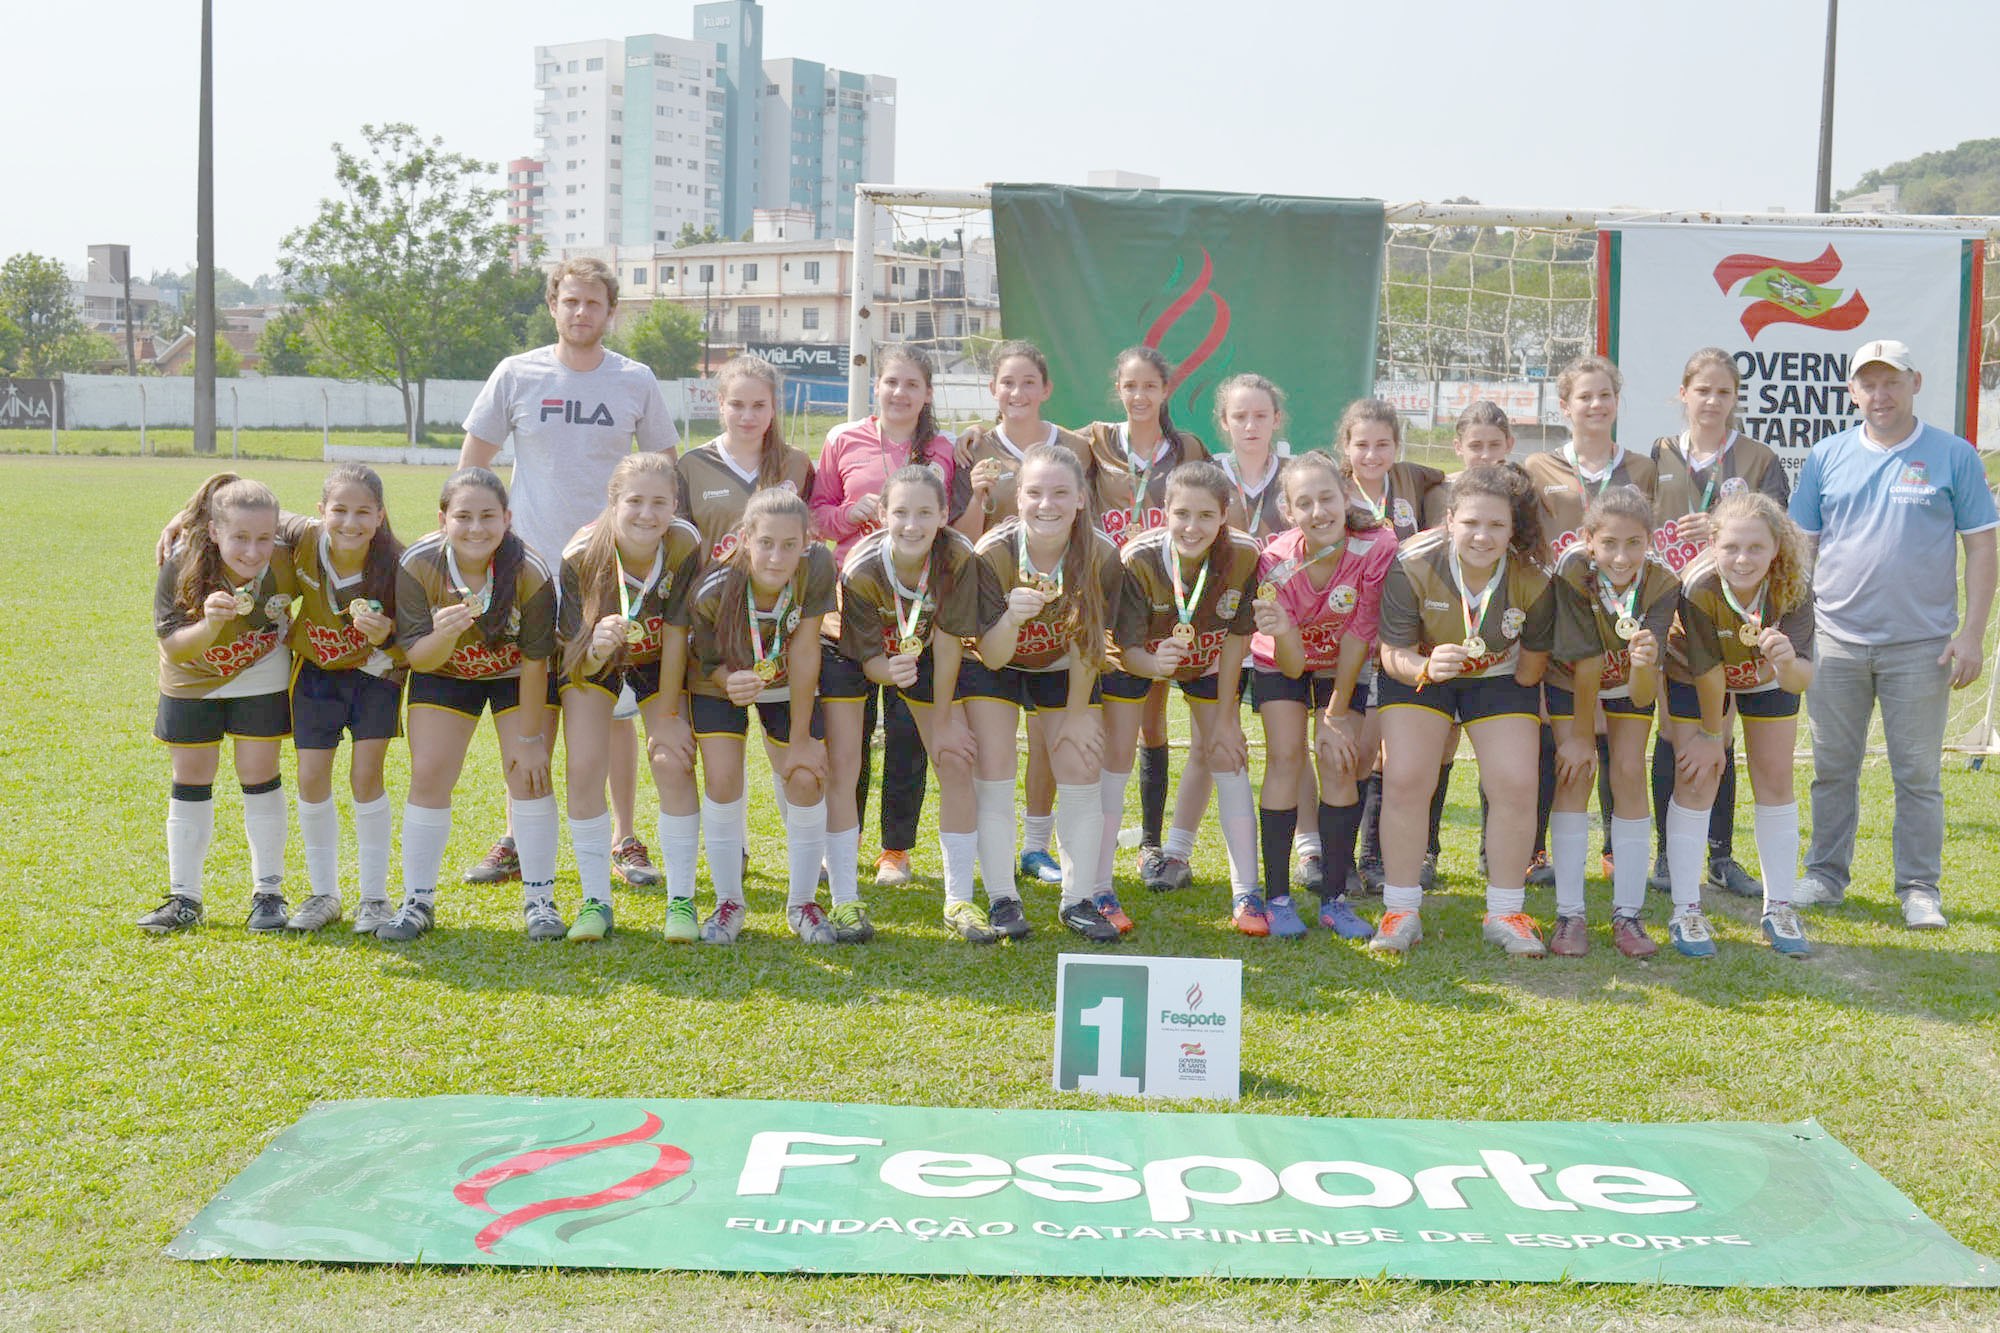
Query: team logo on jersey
(937,467)
(792,620)
(1734,486)
(1430,605)
(1784,291)
(514,620)
(1225,605)
(276,605)
(1406,517)
(573,414)
(1343,598)
(1914,474)
(787,485)
(1512,621)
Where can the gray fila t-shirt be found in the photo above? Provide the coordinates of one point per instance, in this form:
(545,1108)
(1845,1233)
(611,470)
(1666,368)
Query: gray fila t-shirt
(570,428)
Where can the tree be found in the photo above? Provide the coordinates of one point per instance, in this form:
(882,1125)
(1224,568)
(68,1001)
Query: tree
(286,346)
(667,338)
(228,362)
(395,273)
(10,344)
(1965,179)
(35,298)
(689,236)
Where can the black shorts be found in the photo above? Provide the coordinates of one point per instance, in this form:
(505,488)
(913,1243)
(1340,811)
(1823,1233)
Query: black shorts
(326,703)
(254,717)
(1684,704)
(1035,691)
(1561,704)
(841,677)
(711,716)
(468,698)
(1315,689)
(643,679)
(1128,688)
(1464,701)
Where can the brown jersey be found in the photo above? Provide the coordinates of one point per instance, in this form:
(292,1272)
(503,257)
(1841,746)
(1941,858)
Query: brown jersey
(812,595)
(322,631)
(870,605)
(654,606)
(712,493)
(1112,467)
(1709,633)
(1147,612)
(1422,608)
(1743,464)
(243,641)
(1564,493)
(1253,503)
(990,441)
(425,583)
(1588,612)
(1412,500)
(1043,644)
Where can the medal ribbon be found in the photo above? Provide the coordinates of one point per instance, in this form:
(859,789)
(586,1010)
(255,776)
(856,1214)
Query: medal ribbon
(1714,466)
(1282,573)
(776,615)
(898,592)
(627,603)
(1569,452)
(1184,605)
(1029,573)
(1250,506)
(1474,619)
(1140,471)
(1754,619)
(334,576)
(1380,511)
(458,584)
(1608,596)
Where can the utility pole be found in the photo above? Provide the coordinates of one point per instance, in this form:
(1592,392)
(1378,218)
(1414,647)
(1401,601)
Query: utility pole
(204,247)
(1823,193)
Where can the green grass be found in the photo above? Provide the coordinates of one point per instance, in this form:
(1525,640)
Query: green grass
(142,1074)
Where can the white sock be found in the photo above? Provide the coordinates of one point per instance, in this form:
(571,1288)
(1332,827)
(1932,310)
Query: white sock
(1777,833)
(680,839)
(1569,839)
(778,795)
(425,832)
(1239,829)
(1080,824)
(1305,843)
(535,824)
(1687,853)
(843,877)
(319,830)
(1111,800)
(722,833)
(373,834)
(994,801)
(1036,830)
(190,828)
(1180,842)
(590,839)
(1631,848)
(960,849)
(1505,902)
(1398,898)
(805,848)
(266,821)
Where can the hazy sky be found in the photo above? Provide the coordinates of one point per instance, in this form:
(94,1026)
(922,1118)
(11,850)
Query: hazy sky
(1693,104)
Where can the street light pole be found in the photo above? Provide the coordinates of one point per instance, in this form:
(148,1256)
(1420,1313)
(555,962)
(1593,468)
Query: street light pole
(204,247)
(1823,189)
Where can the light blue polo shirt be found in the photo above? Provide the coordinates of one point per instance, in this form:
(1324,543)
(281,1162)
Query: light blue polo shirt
(1888,523)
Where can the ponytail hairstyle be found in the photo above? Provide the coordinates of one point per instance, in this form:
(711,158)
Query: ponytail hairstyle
(1587,365)
(916,474)
(1082,561)
(771,456)
(1310,461)
(1619,502)
(1151,357)
(927,428)
(1365,411)
(385,553)
(732,628)
(1786,583)
(202,571)
(1509,483)
(1249,379)
(1020,347)
(1484,412)
(1202,475)
(508,557)
(597,569)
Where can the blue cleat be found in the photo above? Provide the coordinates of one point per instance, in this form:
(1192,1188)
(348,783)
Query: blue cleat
(1285,922)
(1338,915)
(1690,934)
(1041,866)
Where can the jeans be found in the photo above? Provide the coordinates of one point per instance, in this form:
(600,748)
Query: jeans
(1849,679)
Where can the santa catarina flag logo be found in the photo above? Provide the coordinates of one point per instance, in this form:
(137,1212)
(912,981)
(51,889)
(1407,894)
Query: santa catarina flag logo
(1782,291)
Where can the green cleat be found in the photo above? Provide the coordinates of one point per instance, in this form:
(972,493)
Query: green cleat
(593,922)
(850,923)
(683,927)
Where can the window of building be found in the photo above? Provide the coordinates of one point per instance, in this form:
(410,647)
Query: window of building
(972,325)
(569,189)
(896,275)
(638,277)
(708,273)
(749,273)
(571,68)
(809,317)
(571,91)
(594,63)
(748,323)
(812,270)
(618,138)
(895,322)
(569,118)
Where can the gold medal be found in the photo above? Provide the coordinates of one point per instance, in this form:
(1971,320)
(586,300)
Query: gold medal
(1267,592)
(910,645)
(1749,634)
(766,669)
(1475,646)
(360,604)
(635,633)
(472,604)
(246,602)
(1183,631)
(1047,585)
(1627,627)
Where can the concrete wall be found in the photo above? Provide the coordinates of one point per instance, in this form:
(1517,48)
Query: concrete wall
(112,402)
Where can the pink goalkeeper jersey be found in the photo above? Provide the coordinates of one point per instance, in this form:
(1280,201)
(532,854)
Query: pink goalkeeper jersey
(857,461)
(1326,608)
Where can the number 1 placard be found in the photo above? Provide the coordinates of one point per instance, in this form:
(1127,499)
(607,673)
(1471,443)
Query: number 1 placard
(1149,1027)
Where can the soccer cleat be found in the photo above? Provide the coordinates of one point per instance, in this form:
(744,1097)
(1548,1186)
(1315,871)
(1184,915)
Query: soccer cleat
(633,864)
(1312,874)
(315,913)
(1339,916)
(1008,919)
(1812,891)
(969,923)
(724,924)
(593,921)
(267,913)
(1605,862)
(1628,933)
(809,923)
(1152,861)
(1570,938)
(1786,935)
(1041,866)
(1541,871)
(1427,877)
(1660,881)
(1249,915)
(500,865)
(1923,910)
(1690,933)
(1175,873)
(1371,875)
(1083,918)
(416,918)
(1284,919)
(1399,932)
(176,913)
(1108,907)
(1726,875)
(543,921)
(1515,932)
(372,915)
(682,926)
(850,923)
(892,869)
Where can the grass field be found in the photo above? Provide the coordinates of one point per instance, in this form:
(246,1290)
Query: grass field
(143,1073)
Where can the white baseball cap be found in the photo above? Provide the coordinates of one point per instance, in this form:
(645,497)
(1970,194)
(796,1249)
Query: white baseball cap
(1886,350)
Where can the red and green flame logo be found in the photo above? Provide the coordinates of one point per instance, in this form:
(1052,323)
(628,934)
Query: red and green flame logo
(1180,301)
(672,1163)
(1786,292)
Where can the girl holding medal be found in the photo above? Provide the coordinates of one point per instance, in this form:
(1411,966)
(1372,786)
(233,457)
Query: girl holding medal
(1184,616)
(476,616)
(220,610)
(1468,619)
(1743,646)
(1614,609)
(754,639)
(909,594)
(1319,595)
(621,621)
(348,677)
(1049,585)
